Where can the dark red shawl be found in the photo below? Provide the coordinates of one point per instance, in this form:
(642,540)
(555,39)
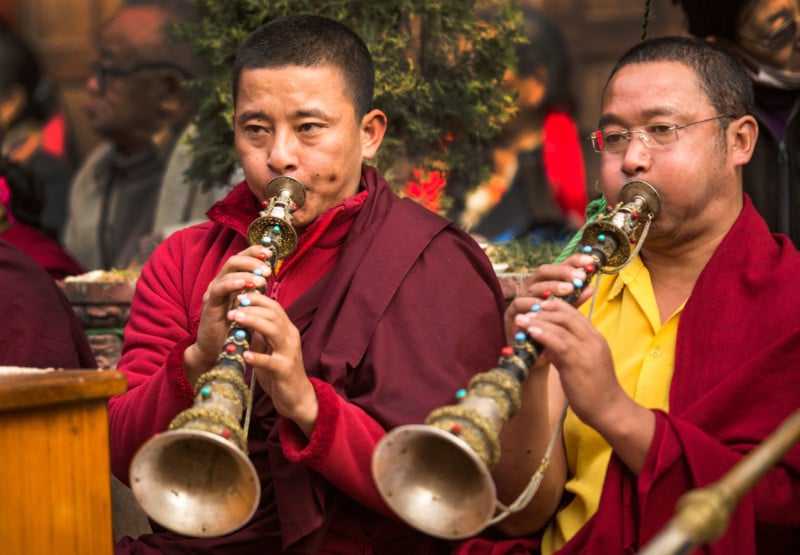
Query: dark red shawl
(737,377)
(39,328)
(44,250)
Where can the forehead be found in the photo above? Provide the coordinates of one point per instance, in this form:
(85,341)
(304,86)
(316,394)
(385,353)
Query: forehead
(134,28)
(300,83)
(654,88)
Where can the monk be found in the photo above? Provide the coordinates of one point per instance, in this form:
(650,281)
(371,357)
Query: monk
(687,358)
(382,312)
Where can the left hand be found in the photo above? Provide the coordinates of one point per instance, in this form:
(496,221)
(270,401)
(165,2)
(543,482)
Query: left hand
(580,354)
(277,359)
(588,378)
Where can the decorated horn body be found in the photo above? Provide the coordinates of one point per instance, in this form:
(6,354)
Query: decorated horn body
(196,478)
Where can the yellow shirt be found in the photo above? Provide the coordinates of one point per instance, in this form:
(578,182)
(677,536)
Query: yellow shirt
(643,350)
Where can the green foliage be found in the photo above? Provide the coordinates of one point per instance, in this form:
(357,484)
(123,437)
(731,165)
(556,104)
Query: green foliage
(438,71)
(522,256)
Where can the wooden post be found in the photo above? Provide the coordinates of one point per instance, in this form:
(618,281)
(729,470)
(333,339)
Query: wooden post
(55,483)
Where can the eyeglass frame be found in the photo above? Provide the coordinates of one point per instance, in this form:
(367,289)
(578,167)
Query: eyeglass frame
(101,73)
(770,38)
(647,136)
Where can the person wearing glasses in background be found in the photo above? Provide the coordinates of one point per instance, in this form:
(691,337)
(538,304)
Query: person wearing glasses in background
(681,363)
(763,35)
(140,104)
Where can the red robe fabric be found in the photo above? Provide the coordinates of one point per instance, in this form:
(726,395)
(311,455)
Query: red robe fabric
(388,335)
(40,329)
(737,377)
(44,250)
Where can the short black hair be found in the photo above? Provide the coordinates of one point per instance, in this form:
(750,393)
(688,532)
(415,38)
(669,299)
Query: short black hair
(309,41)
(721,75)
(20,66)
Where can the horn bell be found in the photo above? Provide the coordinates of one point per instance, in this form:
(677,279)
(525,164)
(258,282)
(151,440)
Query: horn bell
(195,483)
(434,481)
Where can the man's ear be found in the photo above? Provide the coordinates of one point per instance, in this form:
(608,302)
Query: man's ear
(177,102)
(373,128)
(742,136)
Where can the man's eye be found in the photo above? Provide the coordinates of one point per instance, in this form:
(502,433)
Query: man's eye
(659,129)
(613,138)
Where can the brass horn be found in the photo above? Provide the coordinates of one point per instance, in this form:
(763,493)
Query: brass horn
(196,478)
(436,476)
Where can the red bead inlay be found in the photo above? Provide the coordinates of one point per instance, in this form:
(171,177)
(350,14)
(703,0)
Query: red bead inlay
(589,268)
(249,285)
(230,347)
(507,351)
(455,428)
(546,294)
(226,433)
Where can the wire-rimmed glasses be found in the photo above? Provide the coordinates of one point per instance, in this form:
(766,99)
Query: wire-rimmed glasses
(654,134)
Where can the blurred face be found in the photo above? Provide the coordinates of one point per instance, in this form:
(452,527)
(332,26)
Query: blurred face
(693,174)
(301,122)
(124,90)
(768,32)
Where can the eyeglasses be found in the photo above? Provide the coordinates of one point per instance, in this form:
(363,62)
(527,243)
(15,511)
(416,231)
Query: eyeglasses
(779,38)
(655,134)
(102,73)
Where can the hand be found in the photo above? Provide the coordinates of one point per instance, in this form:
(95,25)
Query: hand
(234,276)
(580,354)
(588,378)
(545,281)
(277,359)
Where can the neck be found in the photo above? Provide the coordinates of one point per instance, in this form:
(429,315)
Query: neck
(674,272)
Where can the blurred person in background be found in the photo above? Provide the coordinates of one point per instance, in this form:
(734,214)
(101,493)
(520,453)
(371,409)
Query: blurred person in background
(21,203)
(141,103)
(538,187)
(763,34)
(32,128)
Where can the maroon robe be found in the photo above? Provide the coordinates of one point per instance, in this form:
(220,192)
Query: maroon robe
(408,313)
(737,377)
(43,249)
(39,327)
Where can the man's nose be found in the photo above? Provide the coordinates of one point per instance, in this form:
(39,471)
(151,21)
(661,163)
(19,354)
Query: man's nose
(283,152)
(637,153)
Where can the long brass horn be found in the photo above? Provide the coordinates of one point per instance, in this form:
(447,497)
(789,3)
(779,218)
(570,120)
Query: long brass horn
(436,476)
(196,478)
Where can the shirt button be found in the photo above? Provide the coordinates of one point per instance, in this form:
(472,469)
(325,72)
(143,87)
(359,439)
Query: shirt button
(655,352)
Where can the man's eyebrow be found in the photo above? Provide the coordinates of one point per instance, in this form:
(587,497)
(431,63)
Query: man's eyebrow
(608,119)
(251,114)
(298,114)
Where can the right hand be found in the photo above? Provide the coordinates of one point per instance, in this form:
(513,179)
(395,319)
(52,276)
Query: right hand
(234,276)
(546,280)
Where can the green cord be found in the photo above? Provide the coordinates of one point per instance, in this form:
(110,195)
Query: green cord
(593,210)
